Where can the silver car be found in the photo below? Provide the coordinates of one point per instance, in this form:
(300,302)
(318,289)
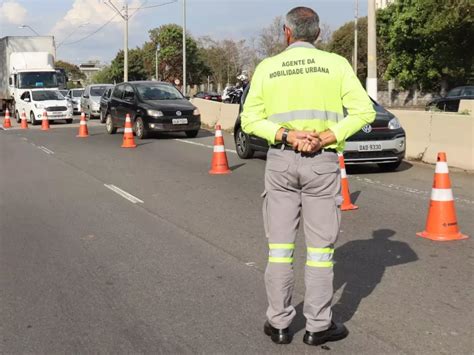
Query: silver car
(75,96)
(90,99)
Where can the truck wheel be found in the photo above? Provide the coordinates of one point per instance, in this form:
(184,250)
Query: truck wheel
(33,120)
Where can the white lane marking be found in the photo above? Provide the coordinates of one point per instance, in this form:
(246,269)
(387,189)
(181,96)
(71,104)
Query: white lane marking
(46,150)
(203,145)
(123,193)
(405,189)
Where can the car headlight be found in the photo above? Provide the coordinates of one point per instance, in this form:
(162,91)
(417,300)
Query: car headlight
(394,123)
(154,113)
(196,112)
(39,106)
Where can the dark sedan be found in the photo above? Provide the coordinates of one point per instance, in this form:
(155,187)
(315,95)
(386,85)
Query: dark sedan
(382,142)
(153,107)
(451,101)
(213,96)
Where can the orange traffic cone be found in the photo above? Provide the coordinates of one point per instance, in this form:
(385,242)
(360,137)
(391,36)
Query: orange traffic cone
(83,131)
(6,122)
(442,223)
(219,163)
(128,140)
(45,122)
(346,203)
(24,122)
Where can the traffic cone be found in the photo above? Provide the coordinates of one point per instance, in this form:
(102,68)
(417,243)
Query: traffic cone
(83,131)
(45,122)
(24,122)
(128,140)
(442,223)
(219,163)
(346,203)
(6,122)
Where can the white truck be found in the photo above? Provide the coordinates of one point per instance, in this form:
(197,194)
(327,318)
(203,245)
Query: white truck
(26,63)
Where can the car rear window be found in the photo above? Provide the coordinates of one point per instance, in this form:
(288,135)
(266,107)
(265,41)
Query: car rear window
(98,90)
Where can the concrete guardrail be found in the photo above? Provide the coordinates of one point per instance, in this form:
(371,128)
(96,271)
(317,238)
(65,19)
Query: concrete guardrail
(427,132)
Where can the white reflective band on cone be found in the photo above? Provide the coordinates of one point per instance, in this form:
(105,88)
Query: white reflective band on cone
(343,174)
(442,195)
(83,123)
(218,133)
(442,167)
(128,130)
(219,149)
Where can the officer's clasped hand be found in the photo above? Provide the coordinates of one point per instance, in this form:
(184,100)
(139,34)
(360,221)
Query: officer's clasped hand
(305,141)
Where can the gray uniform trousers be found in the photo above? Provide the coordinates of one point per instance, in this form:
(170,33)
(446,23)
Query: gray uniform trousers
(309,186)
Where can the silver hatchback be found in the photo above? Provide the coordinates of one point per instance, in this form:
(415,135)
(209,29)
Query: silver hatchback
(90,99)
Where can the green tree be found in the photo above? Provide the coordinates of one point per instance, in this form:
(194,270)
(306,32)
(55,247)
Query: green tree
(342,43)
(72,70)
(169,37)
(431,42)
(136,66)
(104,76)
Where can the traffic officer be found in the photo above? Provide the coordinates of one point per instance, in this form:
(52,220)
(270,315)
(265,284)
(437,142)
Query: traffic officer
(296,102)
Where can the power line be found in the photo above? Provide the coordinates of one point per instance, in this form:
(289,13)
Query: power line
(93,33)
(151,6)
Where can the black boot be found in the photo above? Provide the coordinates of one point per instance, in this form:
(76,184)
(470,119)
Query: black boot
(334,333)
(279,336)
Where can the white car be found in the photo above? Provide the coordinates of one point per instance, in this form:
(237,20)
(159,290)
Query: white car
(34,102)
(75,96)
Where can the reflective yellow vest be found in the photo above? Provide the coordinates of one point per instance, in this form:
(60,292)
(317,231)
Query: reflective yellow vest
(304,88)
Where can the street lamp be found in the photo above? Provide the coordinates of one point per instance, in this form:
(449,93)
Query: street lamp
(26,26)
(156,62)
(70,34)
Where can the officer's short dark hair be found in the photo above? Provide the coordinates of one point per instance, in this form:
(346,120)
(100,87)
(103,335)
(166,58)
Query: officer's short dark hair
(304,23)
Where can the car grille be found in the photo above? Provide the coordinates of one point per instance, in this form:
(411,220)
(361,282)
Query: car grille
(173,113)
(56,108)
(370,155)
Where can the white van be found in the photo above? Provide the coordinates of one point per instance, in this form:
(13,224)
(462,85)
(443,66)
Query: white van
(35,102)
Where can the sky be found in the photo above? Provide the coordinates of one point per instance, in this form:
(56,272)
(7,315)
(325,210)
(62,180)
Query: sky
(70,21)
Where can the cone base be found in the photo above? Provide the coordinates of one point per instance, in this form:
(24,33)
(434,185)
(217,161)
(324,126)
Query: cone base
(128,146)
(219,172)
(442,237)
(349,207)
(45,129)
(81,136)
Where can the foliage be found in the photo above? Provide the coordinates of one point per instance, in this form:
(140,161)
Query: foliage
(430,42)
(72,70)
(136,69)
(271,40)
(104,76)
(342,43)
(170,57)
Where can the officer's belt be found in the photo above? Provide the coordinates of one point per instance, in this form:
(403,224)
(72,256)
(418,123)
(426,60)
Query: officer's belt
(289,147)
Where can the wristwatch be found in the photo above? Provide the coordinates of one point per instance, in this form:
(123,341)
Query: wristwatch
(284,136)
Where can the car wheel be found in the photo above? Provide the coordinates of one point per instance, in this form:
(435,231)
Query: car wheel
(390,166)
(140,130)
(69,120)
(109,125)
(192,134)
(18,117)
(102,118)
(242,144)
(33,120)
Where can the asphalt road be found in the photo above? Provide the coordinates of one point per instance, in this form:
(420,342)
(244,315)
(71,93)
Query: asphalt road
(110,250)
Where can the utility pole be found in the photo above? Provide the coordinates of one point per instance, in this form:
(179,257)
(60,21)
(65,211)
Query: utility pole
(354,64)
(371,84)
(125,44)
(157,76)
(184,48)
(125,18)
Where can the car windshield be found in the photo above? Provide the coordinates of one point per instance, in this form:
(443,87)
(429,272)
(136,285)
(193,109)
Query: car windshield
(98,90)
(158,92)
(77,93)
(454,92)
(43,95)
